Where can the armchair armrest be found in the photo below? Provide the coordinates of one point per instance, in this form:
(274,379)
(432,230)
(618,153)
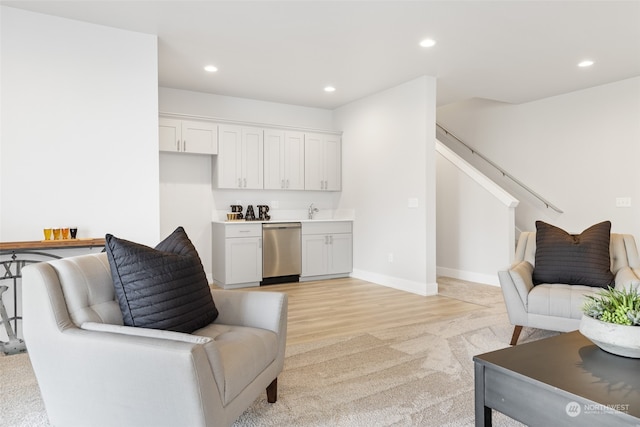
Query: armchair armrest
(165,377)
(627,278)
(522,276)
(265,310)
(144,332)
(516,284)
(257,309)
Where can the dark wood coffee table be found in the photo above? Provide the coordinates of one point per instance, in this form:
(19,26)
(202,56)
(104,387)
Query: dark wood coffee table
(564,380)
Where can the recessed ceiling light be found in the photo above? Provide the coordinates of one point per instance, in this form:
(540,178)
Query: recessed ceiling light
(585,63)
(329,89)
(211,68)
(428,43)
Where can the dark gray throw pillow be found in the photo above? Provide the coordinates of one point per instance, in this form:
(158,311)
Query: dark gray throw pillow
(573,259)
(163,287)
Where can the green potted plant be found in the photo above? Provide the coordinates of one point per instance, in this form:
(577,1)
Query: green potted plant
(614,306)
(611,319)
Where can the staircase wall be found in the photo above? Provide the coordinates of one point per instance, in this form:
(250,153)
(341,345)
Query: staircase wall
(475,221)
(578,150)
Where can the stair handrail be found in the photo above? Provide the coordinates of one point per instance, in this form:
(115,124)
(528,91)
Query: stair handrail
(504,173)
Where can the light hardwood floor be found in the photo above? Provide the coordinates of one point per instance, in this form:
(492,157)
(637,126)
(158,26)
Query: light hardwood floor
(342,307)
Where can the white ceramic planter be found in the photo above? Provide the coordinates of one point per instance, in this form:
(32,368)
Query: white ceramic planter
(622,340)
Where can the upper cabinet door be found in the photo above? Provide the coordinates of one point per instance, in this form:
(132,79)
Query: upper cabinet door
(252,158)
(240,157)
(294,160)
(313,163)
(228,162)
(185,136)
(170,134)
(274,160)
(199,137)
(332,163)
(283,160)
(322,162)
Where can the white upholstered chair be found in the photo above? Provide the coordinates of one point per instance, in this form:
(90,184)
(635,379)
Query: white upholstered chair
(554,306)
(92,371)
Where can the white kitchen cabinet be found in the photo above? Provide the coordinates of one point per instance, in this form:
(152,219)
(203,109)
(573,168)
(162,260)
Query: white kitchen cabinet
(237,254)
(322,162)
(327,249)
(283,160)
(240,157)
(188,136)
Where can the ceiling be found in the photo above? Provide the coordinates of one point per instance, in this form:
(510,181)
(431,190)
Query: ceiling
(288,51)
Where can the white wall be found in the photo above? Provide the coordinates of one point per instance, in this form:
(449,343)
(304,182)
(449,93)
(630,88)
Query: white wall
(475,223)
(389,157)
(242,109)
(78,132)
(579,150)
(79,138)
(185,200)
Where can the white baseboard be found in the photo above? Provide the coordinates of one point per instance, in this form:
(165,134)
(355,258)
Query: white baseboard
(323,277)
(424,289)
(487,279)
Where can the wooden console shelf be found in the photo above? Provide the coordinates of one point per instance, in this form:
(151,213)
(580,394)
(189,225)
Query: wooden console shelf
(52,244)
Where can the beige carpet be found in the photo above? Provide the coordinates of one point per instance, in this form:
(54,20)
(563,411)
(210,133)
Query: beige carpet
(418,375)
(415,375)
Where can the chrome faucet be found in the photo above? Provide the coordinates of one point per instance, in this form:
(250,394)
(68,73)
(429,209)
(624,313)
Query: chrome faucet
(312,210)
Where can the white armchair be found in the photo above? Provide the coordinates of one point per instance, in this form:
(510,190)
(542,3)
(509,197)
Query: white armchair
(558,307)
(92,371)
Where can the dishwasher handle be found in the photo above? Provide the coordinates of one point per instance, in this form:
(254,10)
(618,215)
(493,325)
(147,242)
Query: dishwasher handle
(281,225)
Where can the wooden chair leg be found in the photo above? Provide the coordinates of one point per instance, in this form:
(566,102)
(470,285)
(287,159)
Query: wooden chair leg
(272,391)
(516,334)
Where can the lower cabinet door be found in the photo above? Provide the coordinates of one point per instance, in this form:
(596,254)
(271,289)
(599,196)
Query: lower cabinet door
(340,258)
(314,254)
(327,254)
(243,260)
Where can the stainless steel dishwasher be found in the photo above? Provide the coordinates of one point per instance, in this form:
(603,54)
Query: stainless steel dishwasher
(281,257)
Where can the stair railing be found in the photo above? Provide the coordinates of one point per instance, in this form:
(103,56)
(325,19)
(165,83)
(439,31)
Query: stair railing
(504,173)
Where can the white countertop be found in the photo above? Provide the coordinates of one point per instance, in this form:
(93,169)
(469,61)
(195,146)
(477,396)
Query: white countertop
(273,221)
